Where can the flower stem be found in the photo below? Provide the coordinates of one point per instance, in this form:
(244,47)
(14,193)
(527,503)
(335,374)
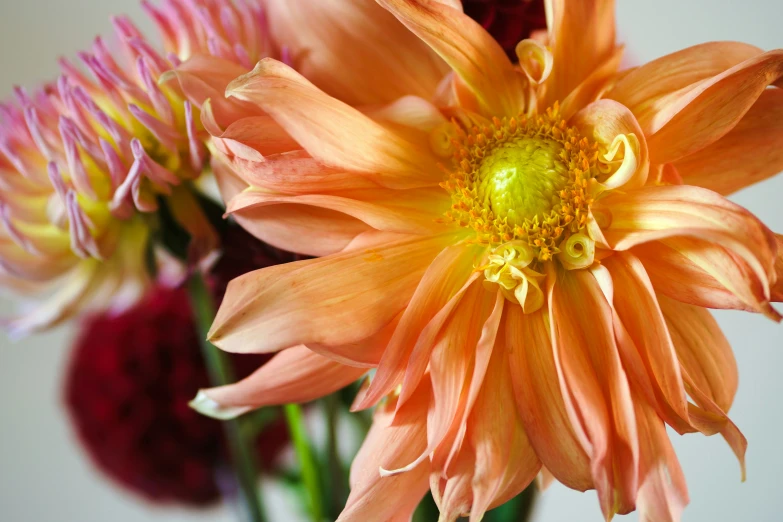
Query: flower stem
(220,373)
(293,414)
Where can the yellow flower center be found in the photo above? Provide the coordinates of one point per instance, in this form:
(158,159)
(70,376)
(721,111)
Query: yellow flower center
(522,179)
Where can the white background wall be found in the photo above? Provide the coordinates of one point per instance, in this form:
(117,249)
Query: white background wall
(44,477)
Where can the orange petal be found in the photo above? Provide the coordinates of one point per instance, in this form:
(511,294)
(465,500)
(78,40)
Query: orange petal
(582,37)
(686,121)
(539,400)
(388,445)
(203,78)
(703,274)
(438,292)
(663,493)
(505,461)
(749,153)
(598,398)
(304,229)
(412,211)
(777,289)
(637,309)
(294,375)
(593,86)
(454,493)
(349,296)
(612,125)
(658,212)
(451,361)
(702,350)
(473,54)
(359,33)
(333,132)
(642,87)
(296,172)
(250,137)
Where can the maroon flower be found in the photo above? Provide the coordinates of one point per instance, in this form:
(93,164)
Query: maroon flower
(131,377)
(509,21)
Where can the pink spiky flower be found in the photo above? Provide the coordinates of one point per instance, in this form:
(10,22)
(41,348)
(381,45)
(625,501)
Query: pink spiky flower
(84,161)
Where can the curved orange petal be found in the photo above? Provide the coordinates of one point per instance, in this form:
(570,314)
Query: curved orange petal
(437,293)
(688,120)
(663,493)
(703,274)
(539,400)
(658,212)
(249,137)
(749,153)
(332,131)
(350,297)
(297,172)
(777,289)
(505,461)
(582,37)
(593,86)
(294,375)
(411,211)
(470,51)
(637,309)
(606,121)
(598,398)
(304,229)
(641,88)
(359,33)
(387,445)
(703,350)
(204,77)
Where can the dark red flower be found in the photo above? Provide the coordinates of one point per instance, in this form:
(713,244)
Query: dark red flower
(129,382)
(508,21)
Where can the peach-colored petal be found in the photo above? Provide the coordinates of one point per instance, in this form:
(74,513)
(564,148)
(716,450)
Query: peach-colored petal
(354,50)
(304,229)
(688,120)
(332,131)
(454,493)
(749,153)
(249,138)
(203,78)
(296,172)
(598,398)
(539,400)
(703,274)
(388,445)
(411,211)
(438,292)
(663,493)
(777,289)
(470,51)
(582,36)
(703,350)
(294,375)
(615,129)
(593,86)
(637,309)
(535,60)
(505,461)
(351,296)
(644,85)
(658,212)
(365,353)
(451,361)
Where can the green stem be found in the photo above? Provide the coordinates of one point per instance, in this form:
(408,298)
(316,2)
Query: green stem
(293,414)
(337,485)
(221,373)
(527,501)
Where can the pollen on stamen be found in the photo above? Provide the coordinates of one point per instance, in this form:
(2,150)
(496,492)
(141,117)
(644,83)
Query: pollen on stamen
(521,178)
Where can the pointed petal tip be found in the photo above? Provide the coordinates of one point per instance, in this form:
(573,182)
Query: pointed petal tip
(203,404)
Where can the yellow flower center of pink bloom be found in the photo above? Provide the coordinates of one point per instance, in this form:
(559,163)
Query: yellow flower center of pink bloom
(524,180)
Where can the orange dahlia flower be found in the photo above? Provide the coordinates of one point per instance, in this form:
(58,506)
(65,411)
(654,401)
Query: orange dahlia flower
(524,255)
(84,162)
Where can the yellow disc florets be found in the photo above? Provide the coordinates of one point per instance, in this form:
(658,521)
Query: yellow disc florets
(523,179)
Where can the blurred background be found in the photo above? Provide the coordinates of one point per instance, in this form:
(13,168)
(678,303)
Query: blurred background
(45,476)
